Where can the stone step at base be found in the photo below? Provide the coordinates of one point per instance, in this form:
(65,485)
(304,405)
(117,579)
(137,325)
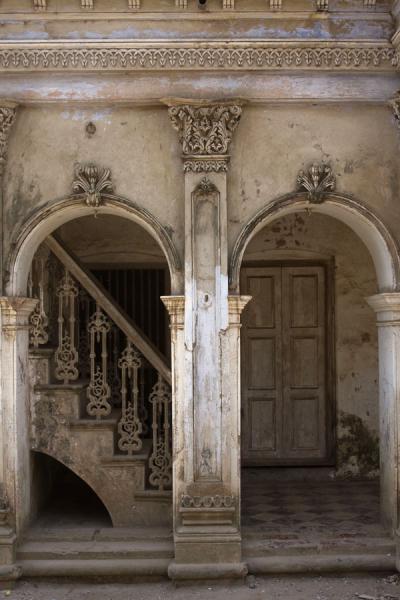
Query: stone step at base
(323,556)
(96,568)
(95,550)
(110,534)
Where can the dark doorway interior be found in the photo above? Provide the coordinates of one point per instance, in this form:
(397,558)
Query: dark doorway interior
(63,499)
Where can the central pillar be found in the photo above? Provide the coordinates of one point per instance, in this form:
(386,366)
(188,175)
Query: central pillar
(207,420)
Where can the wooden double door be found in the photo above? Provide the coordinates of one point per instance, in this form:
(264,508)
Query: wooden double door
(287,360)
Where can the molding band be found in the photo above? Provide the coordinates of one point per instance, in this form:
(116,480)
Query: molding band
(214,55)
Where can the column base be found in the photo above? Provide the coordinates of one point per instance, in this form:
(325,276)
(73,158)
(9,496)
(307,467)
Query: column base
(188,572)
(9,571)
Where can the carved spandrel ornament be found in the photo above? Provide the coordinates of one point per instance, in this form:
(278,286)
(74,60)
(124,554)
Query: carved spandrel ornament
(205,132)
(317,181)
(7,118)
(92,181)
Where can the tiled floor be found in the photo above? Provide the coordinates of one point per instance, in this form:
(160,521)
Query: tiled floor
(309,510)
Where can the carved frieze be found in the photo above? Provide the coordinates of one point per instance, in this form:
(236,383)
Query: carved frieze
(205,132)
(256,56)
(40,4)
(7,118)
(207,501)
(317,180)
(92,181)
(322,5)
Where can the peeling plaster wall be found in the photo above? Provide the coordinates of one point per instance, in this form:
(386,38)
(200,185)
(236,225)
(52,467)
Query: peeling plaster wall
(138,145)
(315,236)
(272,144)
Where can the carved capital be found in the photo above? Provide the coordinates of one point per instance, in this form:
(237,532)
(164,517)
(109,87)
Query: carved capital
(92,181)
(7,118)
(205,132)
(386,307)
(317,181)
(15,313)
(175,306)
(236,305)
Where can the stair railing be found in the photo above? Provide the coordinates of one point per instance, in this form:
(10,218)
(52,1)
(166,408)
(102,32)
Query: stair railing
(120,381)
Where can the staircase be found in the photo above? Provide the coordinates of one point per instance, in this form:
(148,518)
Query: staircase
(100,395)
(91,553)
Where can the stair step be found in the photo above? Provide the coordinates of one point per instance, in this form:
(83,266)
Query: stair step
(105,568)
(69,534)
(95,550)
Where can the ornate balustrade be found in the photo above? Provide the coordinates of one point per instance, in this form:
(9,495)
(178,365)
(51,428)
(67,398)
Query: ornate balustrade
(90,348)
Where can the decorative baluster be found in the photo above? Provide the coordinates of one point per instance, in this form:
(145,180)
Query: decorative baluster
(84,343)
(130,426)
(66,356)
(37,285)
(160,462)
(115,379)
(55,272)
(143,412)
(98,392)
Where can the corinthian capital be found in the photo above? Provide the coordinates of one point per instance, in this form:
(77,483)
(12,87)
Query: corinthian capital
(205,131)
(7,117)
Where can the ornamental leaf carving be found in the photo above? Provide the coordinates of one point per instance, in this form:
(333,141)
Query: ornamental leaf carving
(205,130)
(317,180)
(7,118)
(92,181)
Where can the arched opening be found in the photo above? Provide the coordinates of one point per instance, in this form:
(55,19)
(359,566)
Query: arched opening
(310,389)
(100,402)
(61,499)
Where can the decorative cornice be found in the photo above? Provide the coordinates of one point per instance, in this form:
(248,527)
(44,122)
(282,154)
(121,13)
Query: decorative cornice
(130,56)
(317,180)
(7,118)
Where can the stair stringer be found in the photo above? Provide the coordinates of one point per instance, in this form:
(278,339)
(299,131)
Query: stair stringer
(86,447)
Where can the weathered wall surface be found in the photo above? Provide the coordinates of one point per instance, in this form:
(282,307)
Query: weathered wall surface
(272,144)
(110,240)
(139,146)
(309,236)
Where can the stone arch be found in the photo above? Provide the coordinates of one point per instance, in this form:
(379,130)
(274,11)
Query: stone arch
(46,220)
(366,224)
(384,252)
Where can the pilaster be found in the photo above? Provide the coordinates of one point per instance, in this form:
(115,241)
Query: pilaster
(15,313)
(387,308)
(14,428)
(207,471)
(8,111)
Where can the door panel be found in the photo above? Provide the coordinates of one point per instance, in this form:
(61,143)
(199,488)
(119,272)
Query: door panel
(285,391)
(262,391)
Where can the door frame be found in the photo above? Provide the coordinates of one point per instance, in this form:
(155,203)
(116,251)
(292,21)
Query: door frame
(330,357)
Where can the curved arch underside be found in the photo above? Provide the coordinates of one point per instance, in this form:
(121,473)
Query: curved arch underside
(47,220)
(369,228)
